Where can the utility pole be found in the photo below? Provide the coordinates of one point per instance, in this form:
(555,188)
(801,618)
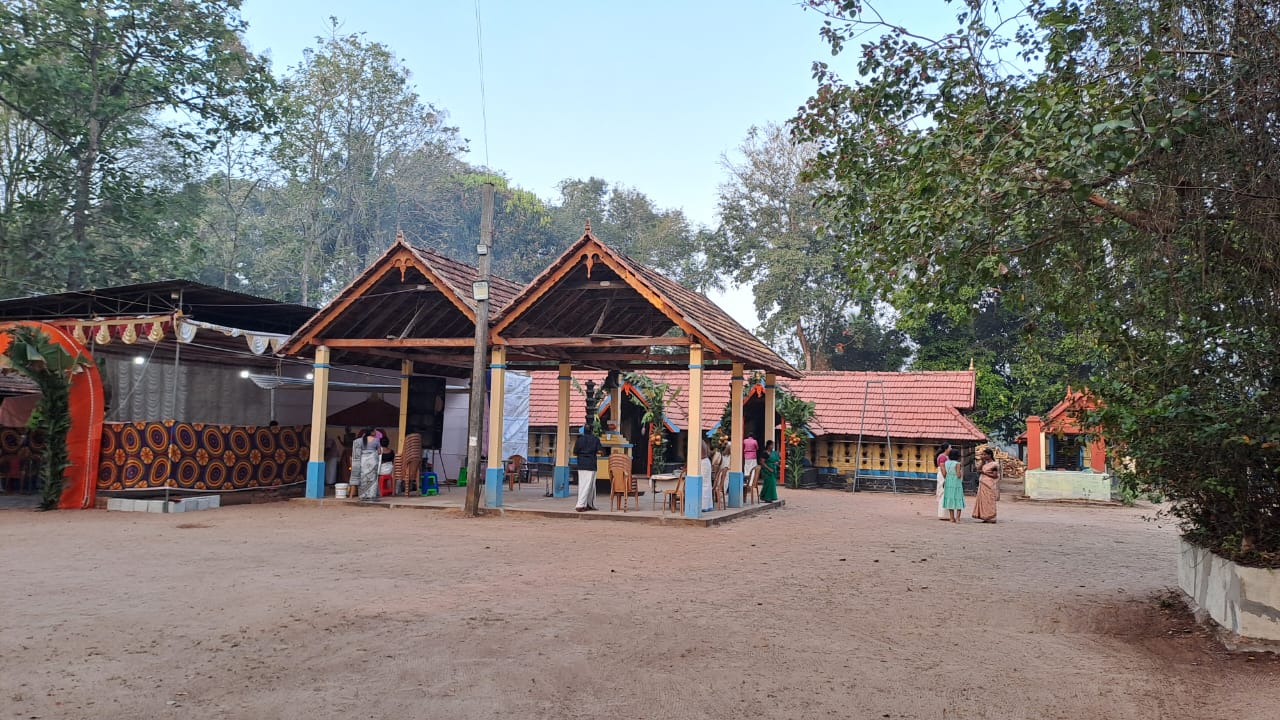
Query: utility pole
(479,361)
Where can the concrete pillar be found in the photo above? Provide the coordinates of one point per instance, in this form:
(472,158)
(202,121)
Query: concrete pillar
(693,453)
(1098,454)
(1035,443)
(319,422)
(770,409)
(560,476)
(494,472)
(402,426)
(735,437)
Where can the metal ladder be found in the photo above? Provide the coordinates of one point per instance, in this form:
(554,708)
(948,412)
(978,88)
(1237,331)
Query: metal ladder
(862,425)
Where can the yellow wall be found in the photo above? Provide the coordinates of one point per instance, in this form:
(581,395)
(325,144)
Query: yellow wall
(838,452)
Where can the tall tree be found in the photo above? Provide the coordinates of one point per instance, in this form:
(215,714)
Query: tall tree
(96,76)
(354,122)
(774,239)
(1123,175)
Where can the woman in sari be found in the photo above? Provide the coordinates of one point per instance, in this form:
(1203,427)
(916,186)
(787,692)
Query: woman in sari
(984,506)
(366,456)
(769,462)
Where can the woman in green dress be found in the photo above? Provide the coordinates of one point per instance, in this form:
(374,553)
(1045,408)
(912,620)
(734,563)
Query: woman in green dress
(952,489)
(769,462)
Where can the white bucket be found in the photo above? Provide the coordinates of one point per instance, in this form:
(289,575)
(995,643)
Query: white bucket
(341,490)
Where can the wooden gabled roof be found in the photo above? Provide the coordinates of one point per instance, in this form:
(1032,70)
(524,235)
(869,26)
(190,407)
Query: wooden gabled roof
(408,294)
(614,304)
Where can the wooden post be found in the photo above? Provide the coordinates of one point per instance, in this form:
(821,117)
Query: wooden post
(319,423)
(475,415)
(560,476)
(735,437)
(693,452)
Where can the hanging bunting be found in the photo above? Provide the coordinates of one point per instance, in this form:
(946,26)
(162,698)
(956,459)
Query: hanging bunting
(130,334)
(78,333)
(257,343)
(103,336)
(156,333)
(186,331)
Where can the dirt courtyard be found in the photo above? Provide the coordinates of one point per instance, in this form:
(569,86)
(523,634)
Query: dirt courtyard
(835,606)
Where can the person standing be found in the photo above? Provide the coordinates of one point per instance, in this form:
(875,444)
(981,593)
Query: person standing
(942,477)
(953,490)
(710,468)
(750,451)
(769,464)
(333,451)
(366,455)
(984,505)
(586,450)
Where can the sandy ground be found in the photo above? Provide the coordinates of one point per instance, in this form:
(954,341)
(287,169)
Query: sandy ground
(836,606)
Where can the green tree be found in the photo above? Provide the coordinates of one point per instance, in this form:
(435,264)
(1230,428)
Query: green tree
(628,220)
(773,239)
(96,77)
(353,124)
(1113,164)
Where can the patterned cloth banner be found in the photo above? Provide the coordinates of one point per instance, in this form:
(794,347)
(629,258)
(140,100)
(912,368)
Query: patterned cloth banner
(199,456)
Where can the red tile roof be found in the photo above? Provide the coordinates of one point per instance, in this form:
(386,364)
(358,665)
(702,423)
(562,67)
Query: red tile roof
(924,405)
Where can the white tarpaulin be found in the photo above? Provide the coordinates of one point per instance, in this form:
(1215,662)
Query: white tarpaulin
(515,415)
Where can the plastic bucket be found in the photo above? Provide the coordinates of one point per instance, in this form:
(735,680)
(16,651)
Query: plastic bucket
(342,490)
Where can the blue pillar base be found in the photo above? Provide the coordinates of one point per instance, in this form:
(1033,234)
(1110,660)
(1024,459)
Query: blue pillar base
(693,496)
(735,489)
(315,479)
(560,481)
(493,478)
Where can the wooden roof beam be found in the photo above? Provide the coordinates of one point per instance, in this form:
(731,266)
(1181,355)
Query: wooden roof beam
(384,343)
(651,341)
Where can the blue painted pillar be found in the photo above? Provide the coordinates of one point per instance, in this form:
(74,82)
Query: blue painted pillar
(693,453)
(493,475)
(319,422)
(560,476)
(734,491)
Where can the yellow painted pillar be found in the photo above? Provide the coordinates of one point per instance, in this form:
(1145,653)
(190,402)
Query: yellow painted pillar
(319,423)
(406,372)
(560,475)
(493,475)
(770,408)
(693,453)
(735,437)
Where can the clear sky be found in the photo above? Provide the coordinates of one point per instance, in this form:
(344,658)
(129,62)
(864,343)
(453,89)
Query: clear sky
(643,94)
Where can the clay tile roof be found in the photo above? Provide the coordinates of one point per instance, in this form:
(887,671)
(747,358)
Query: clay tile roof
(923,405)
(723,337)
(460,275)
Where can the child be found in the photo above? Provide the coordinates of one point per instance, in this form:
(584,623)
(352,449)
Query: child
(386,468)
(953,491)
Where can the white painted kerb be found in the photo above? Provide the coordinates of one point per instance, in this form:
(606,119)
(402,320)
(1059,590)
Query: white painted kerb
(1244,600)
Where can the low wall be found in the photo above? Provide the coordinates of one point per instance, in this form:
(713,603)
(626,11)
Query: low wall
(1243,600)
(1067,485)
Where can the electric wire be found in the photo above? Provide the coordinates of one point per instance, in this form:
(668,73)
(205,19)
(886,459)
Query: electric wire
(484,112)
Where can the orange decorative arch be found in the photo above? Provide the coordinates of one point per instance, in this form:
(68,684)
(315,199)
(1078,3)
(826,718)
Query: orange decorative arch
(84,440)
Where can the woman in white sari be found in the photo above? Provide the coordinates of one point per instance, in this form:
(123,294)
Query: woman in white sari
(366,455)
(942,476)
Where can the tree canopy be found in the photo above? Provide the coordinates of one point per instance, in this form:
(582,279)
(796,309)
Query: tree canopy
(1112,163)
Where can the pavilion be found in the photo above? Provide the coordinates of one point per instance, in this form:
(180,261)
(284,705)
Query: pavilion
(592,308)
